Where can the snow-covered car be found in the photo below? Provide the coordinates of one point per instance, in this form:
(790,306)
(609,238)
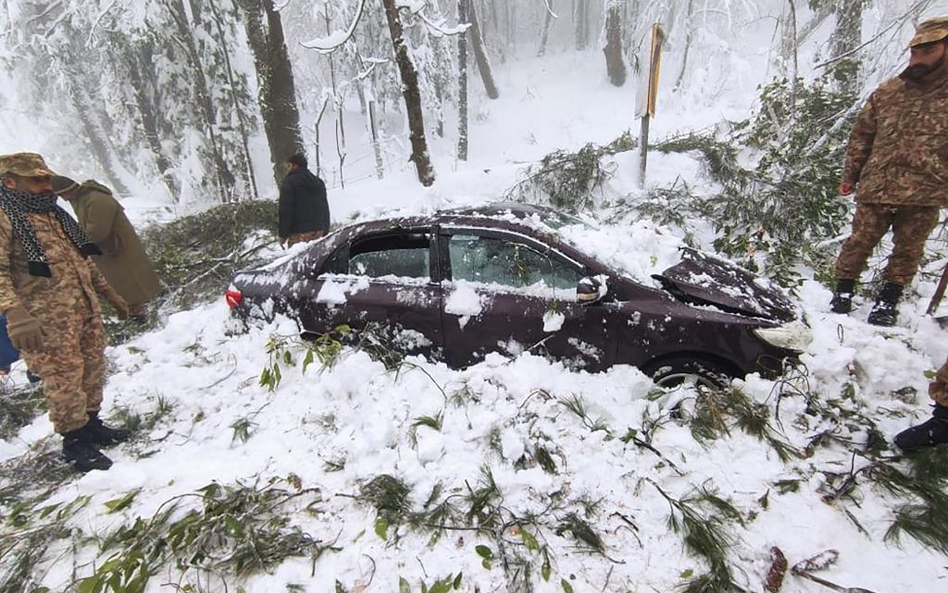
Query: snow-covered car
(459,284)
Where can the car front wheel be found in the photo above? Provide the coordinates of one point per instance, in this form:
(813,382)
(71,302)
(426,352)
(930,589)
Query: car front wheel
(679,372)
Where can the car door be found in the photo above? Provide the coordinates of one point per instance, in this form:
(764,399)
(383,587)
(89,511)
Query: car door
(382,281)
(508,293)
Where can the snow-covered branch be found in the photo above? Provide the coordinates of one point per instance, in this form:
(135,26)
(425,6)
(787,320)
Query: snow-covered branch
(337,38)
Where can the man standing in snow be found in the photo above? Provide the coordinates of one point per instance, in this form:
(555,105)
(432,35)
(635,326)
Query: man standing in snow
(123,261)
(48,289)
(304,211)
(935,431)
(897,163)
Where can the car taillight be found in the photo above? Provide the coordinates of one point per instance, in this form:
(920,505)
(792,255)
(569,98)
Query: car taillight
(233,298)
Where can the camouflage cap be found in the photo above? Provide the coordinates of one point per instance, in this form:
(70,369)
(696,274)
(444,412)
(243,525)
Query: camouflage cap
(24,164)
(930,31)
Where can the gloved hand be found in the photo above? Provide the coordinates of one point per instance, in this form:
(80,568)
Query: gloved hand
(24,329)
(118,303)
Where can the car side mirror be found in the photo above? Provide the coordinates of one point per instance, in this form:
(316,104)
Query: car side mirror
(591,289)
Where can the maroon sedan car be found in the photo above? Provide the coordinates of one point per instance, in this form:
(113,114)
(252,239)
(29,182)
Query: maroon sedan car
(459,284)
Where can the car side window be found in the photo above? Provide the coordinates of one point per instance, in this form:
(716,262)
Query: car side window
(491,260)
(402,255)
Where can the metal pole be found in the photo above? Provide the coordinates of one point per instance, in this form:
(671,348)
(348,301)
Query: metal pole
(643,148)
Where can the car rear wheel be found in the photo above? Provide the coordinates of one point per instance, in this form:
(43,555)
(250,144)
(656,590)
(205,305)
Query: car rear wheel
(684,372)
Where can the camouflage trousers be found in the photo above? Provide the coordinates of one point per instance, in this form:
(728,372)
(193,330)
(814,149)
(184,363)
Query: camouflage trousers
(910,226)
(71,363)
(303,237)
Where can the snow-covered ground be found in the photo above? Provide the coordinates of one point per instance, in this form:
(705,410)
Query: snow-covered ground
(336,429)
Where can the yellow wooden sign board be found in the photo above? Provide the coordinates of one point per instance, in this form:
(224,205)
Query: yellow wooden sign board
(654,65)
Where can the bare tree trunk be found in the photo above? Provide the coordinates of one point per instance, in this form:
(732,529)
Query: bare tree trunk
(96,140)
(341,145)
(615,67)
(688,36)
(483,64)
(136,61)
(494,21)
(376,145)
(277,92)
(248,177)
(795,69)
(224,179)
(462,83)
(316,136)
(581,11)
(412,94)
(547,23)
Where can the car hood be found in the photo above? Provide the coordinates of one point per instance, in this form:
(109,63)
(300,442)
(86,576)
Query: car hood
(703,279)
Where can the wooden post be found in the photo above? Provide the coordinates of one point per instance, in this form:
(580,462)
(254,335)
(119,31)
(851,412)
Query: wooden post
(643,154)
(939,292)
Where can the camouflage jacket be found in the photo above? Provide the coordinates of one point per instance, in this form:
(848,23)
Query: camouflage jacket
(898,147)
(75,279)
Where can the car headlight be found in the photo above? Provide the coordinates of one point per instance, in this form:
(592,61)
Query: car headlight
(789,336)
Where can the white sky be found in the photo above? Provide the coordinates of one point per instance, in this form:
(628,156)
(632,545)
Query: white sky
(361,414)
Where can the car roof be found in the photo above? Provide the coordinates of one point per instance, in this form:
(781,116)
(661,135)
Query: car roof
(509,215)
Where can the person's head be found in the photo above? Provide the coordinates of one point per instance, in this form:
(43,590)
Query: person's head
(26,172)
(64,187)
(296,161)
(927,49)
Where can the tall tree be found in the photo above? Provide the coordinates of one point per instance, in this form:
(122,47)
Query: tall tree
(137,61)
(462,83)
(845,40)
(409,75)
(184,18)
(276,89)
(483,64)
(581,15)
(548,16)
(689,28)
(615,66)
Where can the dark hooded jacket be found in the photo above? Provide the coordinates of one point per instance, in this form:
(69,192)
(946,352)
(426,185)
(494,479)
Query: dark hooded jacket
(303,205)
(124,261)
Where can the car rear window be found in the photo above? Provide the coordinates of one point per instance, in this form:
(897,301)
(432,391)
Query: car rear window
(403,255)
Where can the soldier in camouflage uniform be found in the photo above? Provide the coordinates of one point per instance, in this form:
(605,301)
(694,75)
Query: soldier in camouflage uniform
(48,288)
(897,162)
(935,431)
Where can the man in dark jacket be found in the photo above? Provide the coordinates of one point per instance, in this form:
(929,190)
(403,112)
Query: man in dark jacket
(896,163)
(304,211)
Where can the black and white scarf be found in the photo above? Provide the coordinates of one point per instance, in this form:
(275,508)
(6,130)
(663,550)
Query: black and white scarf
(16,204)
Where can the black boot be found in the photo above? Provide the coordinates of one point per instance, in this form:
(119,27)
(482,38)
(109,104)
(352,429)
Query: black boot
(81,453)
(843,296)
(885,311)
(928,434)
(100,434)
